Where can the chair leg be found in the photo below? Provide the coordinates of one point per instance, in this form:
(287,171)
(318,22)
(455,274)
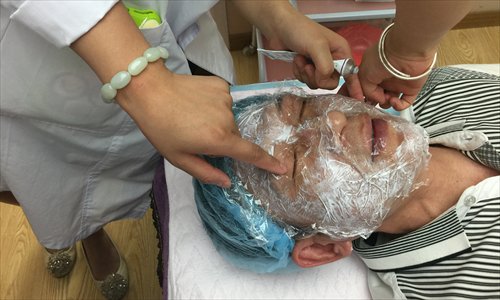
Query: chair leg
(251,49)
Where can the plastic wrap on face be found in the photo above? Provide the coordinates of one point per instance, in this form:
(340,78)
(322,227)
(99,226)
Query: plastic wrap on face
(348,163)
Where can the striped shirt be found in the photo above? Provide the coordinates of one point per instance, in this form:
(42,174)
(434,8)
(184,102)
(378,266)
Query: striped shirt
(457,255)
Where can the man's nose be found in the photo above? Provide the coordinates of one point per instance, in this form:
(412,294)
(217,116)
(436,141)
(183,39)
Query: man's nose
(337,121)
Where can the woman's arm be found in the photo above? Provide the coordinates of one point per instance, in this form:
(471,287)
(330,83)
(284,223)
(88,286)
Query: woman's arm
(286,28)
(112,44)
(410,46)
(182,116)
(421,24)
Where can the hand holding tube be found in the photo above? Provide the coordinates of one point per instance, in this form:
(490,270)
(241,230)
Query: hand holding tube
(380,86)
(408,50)
(344,67)
(286,28)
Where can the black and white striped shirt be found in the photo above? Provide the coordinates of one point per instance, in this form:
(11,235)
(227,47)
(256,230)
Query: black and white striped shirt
(456,256)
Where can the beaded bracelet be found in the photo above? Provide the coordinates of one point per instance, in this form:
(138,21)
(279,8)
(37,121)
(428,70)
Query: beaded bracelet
(123,78)
(390,68)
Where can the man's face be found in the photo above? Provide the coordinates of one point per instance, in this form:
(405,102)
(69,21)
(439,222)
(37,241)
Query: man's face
(345,159)
(318,129)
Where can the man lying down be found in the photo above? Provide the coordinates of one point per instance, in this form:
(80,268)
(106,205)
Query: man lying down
(419,203)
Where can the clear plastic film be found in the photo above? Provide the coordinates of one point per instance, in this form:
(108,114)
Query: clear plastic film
(348,162)
(349,165)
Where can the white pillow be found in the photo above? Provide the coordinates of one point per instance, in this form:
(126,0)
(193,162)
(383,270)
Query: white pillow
(197,271)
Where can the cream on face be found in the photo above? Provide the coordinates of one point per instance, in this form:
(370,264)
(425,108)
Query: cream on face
(348,163)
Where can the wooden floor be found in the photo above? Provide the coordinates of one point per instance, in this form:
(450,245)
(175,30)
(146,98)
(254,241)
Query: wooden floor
(22,270)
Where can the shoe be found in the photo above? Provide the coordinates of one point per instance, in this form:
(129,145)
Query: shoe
(115,285)
(60,262)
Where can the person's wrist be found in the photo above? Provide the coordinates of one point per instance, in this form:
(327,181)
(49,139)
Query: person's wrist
(144,88)
(406,58)
(123,78)
(410,46)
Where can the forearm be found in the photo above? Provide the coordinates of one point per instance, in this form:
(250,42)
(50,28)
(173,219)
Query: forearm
(421,24)
(286,28)
(110,46)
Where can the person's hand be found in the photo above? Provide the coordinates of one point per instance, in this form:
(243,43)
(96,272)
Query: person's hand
(317,46)
(379,86)
(187,116)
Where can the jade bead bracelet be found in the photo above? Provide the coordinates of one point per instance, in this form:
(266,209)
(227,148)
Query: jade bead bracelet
(123,78)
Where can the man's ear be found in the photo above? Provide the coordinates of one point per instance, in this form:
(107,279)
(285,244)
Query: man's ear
(319,250)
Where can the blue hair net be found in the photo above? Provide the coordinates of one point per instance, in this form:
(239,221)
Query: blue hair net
(239,227)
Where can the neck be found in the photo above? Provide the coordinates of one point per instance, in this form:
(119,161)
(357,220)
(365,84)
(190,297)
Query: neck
(449,173)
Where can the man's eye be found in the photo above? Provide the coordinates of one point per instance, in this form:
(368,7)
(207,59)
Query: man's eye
(310,110)
(302,109)
(294,162)
(291,108)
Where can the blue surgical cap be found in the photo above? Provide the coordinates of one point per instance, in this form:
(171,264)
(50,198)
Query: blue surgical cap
(239,227)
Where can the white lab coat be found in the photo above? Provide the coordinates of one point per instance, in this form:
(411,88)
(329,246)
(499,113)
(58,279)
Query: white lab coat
(73,162)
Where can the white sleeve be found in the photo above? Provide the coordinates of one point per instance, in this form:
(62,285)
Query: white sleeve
(60,22)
